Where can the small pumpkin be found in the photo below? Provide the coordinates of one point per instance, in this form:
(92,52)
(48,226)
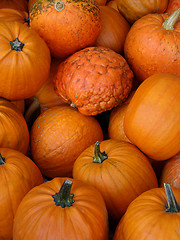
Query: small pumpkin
(18,174)
(10,14)
(155,214)
(62,209)
(111,166)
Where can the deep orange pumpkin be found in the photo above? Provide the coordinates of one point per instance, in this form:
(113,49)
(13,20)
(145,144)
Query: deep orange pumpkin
(21,5)
(152,119)
(62,209)
(24,61)
(119,170)
(152,45)
(67,25)
(18,175)
(9,14)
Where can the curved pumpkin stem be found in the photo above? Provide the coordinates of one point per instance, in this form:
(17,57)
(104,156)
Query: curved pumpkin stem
(172,205)
(63,198)
(99,156)
(169,23)
(2,160)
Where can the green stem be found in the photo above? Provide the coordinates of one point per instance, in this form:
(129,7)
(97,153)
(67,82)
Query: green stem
(2,160)
(64,198)
(169,23)
(172,205)
(99,156)
(16,45)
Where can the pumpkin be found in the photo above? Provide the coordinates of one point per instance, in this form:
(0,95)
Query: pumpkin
(171,171)
(10,14)
(114,30)
(31,3)
(58,136)
(132,10)
(20,5)
(152,45)
(66,26)
(119,170)
(172,6)
(155,214)
(24,62)
(62,209)
(18,175)
(152,120)
(94,80)
(14,131)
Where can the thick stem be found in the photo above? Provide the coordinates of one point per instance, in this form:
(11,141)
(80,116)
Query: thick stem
(172,205)
(99,156)
(16,45)
(169,23)
(64,198)
(2,160)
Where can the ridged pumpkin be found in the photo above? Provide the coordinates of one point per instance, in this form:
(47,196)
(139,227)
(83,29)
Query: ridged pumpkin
(9,14)
(24,61)
(67,25)
(18,175)
(62,209)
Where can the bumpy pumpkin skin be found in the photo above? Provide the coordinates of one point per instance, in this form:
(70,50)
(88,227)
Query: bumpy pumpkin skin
(18,175)
(149,48)
(66,26)
(95,80)
(58,136)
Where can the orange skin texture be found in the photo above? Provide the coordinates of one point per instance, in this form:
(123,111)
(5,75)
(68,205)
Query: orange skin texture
(172,6)
(86,218)
(58,136)
(120,178)
(171,172)
(75,27)
(95,80)
(152,120)
(22,72)
(18,175)
(20,5)
(9,14)
(149,48)
(14,131)
(132,10)
(146,218)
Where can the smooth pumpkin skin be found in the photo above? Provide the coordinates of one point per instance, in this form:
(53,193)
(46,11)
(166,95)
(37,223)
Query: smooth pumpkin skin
(18,175)
(58,136)
(132,10)
(14,131)
(21,5)
(150,49)
(10,14)
(120,178)
(152,120)
(85,219)
(146,218)
(68,27)
(23,72)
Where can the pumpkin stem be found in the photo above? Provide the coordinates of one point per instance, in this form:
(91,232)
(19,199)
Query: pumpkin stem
(99,156)
(63,198)
(169,23)
(59,6)
(2,160)
(172,205)
(16,45)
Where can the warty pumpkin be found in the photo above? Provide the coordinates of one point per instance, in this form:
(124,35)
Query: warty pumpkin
(61,209)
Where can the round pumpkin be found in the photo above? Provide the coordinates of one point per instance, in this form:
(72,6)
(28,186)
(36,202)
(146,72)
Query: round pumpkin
(66,26)
(18,175)
(152,119)
(24,63)
(119,170)
(155,214)
(21,5)
(152,45)
(62,209)
(94,80)
(58,136)
(14,131)
(10,14)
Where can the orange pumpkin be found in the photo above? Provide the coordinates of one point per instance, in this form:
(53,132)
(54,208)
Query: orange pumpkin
(62,209)
(152,45)
(66,26)
(152,119)
(21,5)
(58,136)
(94,80)
(172,6)
(155,214)
(10,14)
(24,63)
(119,170)
(14,131)
(18,175)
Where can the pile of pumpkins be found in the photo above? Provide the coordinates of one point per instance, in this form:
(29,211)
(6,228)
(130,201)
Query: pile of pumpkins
(89,119)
